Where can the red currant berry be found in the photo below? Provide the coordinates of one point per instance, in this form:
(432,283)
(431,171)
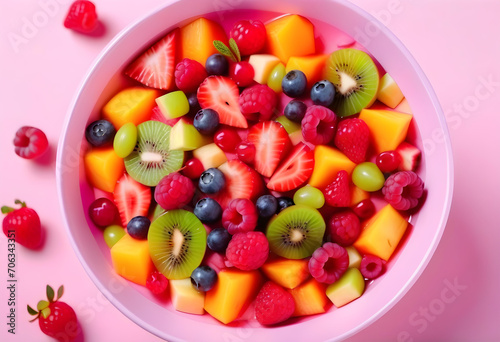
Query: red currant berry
(241,73)
(193,168)
(227,139)
(364,209)
(388,161)
(246,152)
(103,212)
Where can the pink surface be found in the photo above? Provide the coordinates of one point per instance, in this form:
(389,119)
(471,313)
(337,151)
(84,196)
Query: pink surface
(454,299)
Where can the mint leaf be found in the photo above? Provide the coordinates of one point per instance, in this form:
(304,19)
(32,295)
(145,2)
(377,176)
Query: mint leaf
(32,311)
(50,294)
(6,210)
(234,47)
(60,292)
(224,50)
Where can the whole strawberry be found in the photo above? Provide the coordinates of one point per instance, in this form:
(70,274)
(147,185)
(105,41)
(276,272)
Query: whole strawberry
(337,193)
(353,138)
(273,304)
(56,319)
(23,225)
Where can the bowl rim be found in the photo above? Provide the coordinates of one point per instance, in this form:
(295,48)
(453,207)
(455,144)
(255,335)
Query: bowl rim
(123,34)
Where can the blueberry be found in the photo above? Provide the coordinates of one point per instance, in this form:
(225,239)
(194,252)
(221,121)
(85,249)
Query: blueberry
(138,227)
(217,65)
(284,202)
(206,121)
(203,278)
(211,181)
(267,205)
(295,110)
(208,210)
(100,133)
(322,93)
(218,239)
(294,83)
(194,106)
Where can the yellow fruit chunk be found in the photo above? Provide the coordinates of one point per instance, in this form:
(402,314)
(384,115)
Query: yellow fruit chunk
(262,66)
(185,297)
(404,107)
(388,128)
(354,257)
(197,39)
(348,288)
(311,66)
(288,273)
(130,105)
(328,161)
(210,155)
(310,298)
(382,233)
(357,195)
(131,259)
(103,168)
(185,137)
(389,92)
(232,293)
(291,35)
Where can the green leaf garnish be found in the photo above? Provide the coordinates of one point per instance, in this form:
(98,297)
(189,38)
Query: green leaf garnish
(234,48)
(32,311)
(46,312)
(60,292)
(224,50)
(43,304)
(6,210)
(50,293)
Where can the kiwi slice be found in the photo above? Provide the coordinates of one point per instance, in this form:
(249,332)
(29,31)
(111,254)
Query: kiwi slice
(177,241)
(296,232)
(355,77)
(152,158)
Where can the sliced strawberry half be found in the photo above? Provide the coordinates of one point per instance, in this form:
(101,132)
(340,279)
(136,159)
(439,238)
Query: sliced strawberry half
(410,156)
(241,182)
(294,171)
(155,67)
(131,198)
(222,95)
(271,143)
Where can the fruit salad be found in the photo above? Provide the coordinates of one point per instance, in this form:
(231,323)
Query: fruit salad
(254,170)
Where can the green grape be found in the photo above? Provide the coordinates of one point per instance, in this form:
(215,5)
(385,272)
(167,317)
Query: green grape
(310,196)
(125,140)
(112,234)
(275,77)
(289,125)
(367,176)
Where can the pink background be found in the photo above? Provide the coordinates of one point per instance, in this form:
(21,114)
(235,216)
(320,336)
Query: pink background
(456,44)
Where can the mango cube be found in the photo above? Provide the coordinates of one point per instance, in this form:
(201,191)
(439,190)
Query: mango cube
(173,105)
(348,288)
(130,105)
(185,297)
(389,92)
(311,66)
(232,293)
(103,168)
(262,66)
(131,259)
(185,137)
(381,234)
(328,161)
(388,129)
(197,39)
(291,35)
(357,195)
(288,273)
(210,155)
(310,298)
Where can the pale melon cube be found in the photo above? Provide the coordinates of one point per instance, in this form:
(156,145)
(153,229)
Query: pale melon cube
(262,66)
(210,155)
(348,288)
(185,297)
(389,92)
(354,257)
(173,105)
(185,137)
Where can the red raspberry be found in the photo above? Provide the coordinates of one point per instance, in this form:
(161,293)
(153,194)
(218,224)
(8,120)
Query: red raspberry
(250,36)
(403,190)
(328,263)
(273,304)
(318,125)
(248,251)
(344,228)
(30,142)
(338,194)
(240,216)
(371,266)
(157,282)
(174,191)
(353,138)
(81,17)
(189,74)
(258,99)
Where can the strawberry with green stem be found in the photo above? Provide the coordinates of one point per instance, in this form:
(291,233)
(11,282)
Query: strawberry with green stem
(23,225)
(56,319)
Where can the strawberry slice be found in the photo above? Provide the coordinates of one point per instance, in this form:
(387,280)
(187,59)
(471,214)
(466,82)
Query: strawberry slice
(222,95)
(271,143)
(294,171)
(155,67)
(131,198)
(410,156)
(241,182)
